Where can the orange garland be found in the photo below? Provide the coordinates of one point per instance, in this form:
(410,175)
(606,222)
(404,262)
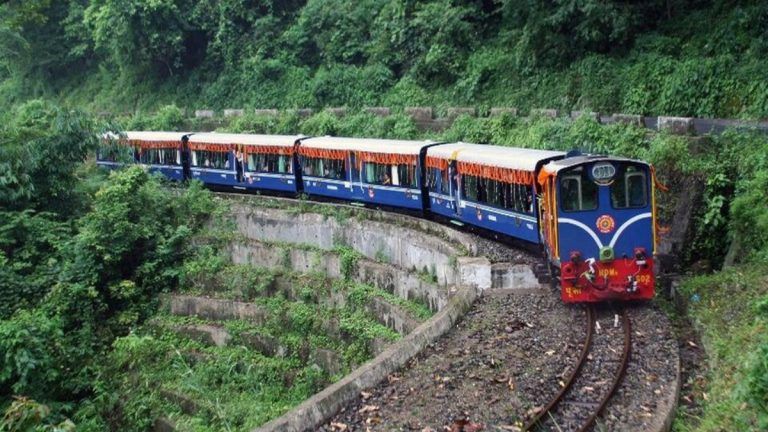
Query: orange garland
(264,149)
(507,175)
(142,144)
(314,152)
(437,163)
(212,147)
(386,158)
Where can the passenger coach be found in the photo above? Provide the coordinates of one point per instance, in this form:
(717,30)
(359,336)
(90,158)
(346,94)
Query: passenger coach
(245,162)
(160,152)
(488,186)
(384,172)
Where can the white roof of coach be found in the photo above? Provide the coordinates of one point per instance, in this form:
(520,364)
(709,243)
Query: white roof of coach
(155,136)
(247,139)
(493,155)
(366,145)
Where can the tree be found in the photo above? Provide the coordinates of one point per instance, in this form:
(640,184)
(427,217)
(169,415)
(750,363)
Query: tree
(40,150)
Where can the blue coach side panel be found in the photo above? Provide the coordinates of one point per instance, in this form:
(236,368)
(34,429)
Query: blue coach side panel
(381,172)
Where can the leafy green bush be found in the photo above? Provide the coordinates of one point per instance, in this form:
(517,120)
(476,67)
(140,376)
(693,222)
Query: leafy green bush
(125,251)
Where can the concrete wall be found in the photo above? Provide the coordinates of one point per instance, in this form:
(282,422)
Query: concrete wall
(425,119)
(215,309)
(408,245)
(404,247)
(404,284)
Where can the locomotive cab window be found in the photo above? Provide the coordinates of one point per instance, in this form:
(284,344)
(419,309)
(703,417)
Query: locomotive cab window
(630,189)
(577,191)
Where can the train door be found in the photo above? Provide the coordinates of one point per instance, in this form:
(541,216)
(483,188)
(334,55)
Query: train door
(454,180)
(239,157)
(185,159)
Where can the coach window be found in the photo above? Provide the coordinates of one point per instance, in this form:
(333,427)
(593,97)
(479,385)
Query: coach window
(470,187)
(376,173)
(521,198)
(432,179)
(405,175)
(629,189)
(146,156)
(271,163)
(169,157)
(496,192)
(323,167)
(432,176)
(210,159)
(577,191)
(114,153)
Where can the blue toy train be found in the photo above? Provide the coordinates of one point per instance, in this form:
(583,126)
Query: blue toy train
(594,216)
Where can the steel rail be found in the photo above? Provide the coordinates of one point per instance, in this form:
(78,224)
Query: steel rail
(619,376)
(572,377)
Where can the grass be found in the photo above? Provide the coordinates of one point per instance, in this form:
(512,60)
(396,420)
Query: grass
(729,310)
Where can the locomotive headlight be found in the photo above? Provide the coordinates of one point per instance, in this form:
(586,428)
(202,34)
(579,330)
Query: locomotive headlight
(641,256)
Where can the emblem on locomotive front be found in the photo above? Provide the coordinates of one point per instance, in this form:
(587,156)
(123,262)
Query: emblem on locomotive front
(605,224)
(370,192)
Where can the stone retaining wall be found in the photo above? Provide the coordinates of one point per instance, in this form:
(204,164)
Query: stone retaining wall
(427,118)
(409,246)
(404,284)
(403,247)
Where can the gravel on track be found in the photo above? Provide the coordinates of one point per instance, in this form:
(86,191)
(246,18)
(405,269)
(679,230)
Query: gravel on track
(486,370)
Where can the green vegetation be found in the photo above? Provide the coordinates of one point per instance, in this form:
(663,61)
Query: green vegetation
(82,265)
(730,309)
(674,57)
(82,257)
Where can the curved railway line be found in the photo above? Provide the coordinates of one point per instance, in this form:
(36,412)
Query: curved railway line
(585,393)
(454,374)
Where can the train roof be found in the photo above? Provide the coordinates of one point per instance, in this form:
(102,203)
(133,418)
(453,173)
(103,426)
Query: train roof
(246,139)
(493,155)
(366,144)
(558,165)
(154,136)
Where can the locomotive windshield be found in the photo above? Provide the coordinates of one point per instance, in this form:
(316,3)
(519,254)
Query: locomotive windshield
(629,189)
(577,191)
(627,182)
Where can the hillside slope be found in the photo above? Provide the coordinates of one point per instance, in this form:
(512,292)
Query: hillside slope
(671,57)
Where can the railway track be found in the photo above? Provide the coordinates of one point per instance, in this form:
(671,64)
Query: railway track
(592,382)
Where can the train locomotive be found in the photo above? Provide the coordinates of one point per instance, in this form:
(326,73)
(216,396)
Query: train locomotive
(593,216)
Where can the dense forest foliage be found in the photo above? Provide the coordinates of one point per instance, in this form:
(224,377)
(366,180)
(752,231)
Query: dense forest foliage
(661,57)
